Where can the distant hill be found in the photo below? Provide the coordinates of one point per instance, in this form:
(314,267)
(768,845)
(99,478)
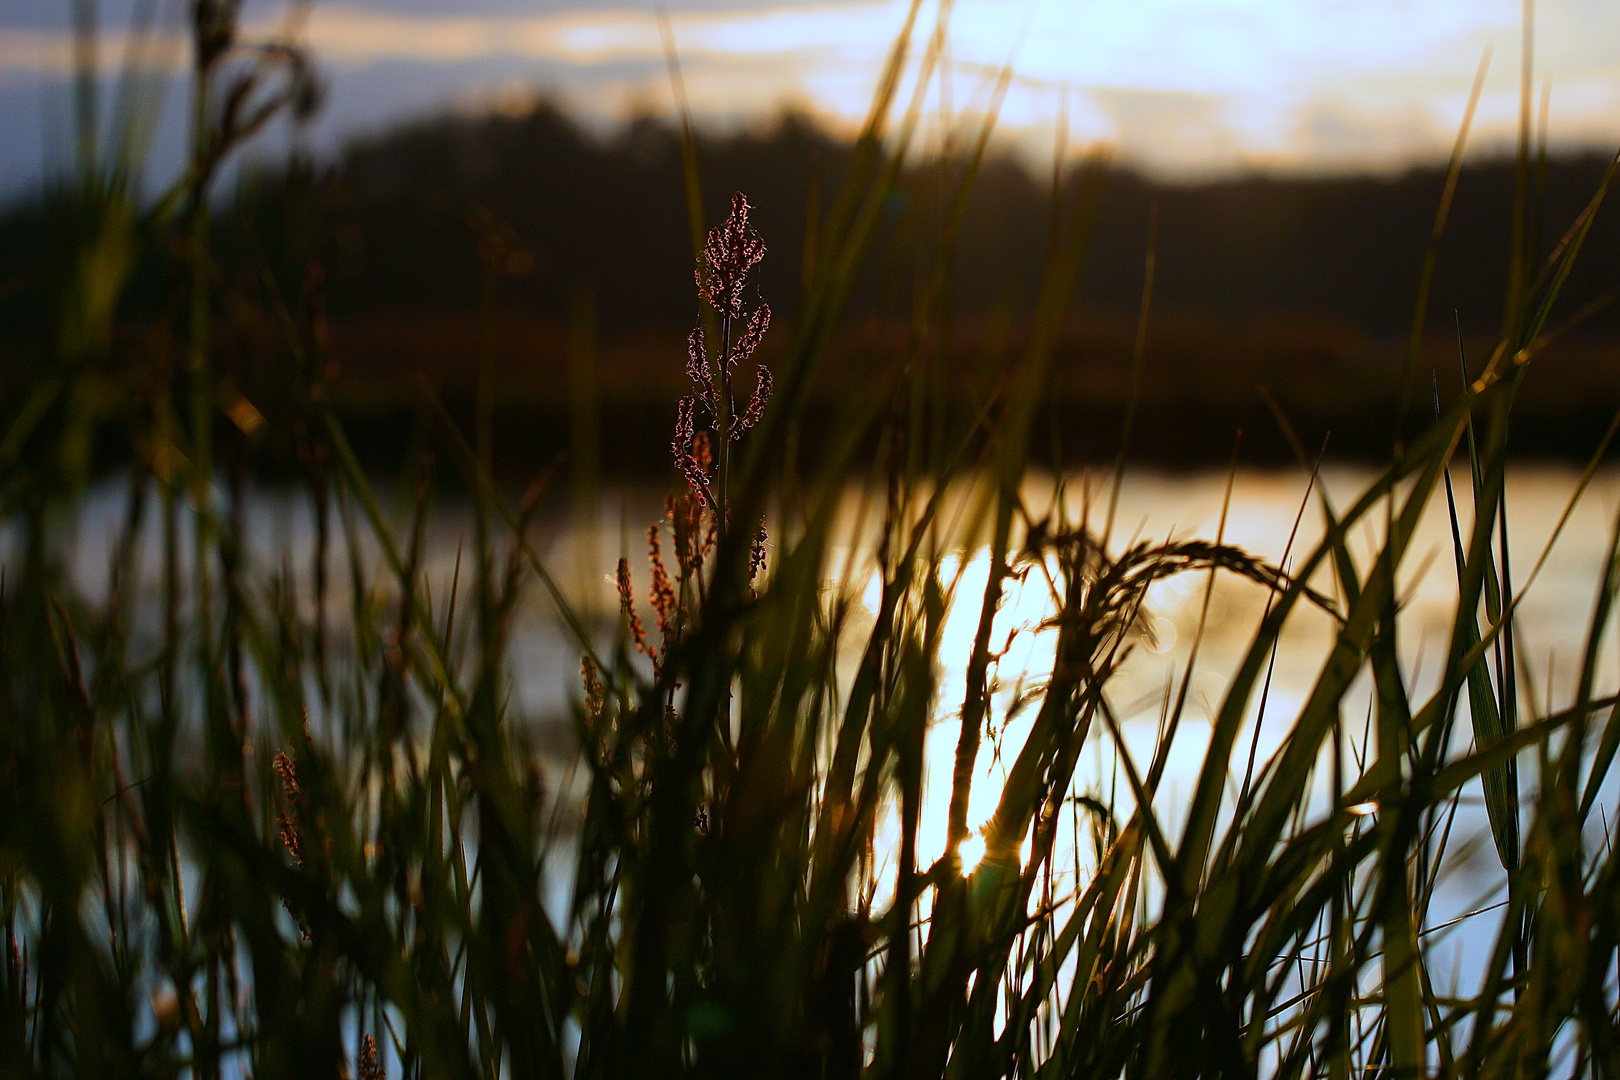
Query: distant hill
(1305,284)
(609,217)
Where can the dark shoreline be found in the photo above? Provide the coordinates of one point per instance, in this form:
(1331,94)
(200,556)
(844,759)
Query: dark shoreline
(529,441)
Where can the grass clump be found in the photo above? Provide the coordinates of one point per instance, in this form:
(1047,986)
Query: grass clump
(240,833)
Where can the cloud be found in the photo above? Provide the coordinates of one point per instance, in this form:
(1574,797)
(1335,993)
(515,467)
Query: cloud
(346,35)
(1178,83)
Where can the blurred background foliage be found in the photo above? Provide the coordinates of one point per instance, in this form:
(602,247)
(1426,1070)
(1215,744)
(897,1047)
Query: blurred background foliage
(1298,284)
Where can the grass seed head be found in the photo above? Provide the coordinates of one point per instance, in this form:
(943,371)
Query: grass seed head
(756,404)
(732,250)
(756,551)
(368,1067)
(627,606)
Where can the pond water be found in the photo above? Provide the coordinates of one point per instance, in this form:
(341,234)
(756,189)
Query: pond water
(1559,585)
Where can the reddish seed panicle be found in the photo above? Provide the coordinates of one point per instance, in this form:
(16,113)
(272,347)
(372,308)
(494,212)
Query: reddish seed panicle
(685,517)
(627,606)
(702,453)
(732,250)
(681,444)
(674,510)
(697,366)
(756,404)
(368,1067)
(287,827)
(758,323)
(730,254)
(691,450)
(663,590)
(711,537)
(286,823)
(756,551)
(595,697)
(289,836)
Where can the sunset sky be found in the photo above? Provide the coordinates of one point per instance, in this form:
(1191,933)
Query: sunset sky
(1180,86)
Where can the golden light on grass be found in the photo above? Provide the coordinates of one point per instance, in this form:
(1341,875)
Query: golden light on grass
(970,853)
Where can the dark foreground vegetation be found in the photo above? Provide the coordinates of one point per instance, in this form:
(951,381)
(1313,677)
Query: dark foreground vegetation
(292,821)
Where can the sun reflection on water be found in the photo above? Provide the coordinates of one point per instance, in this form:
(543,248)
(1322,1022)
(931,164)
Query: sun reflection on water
(1262,513)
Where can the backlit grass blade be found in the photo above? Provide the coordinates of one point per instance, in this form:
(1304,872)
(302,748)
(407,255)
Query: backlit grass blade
(1500,785)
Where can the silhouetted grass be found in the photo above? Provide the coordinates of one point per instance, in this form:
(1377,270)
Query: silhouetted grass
(247,830)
